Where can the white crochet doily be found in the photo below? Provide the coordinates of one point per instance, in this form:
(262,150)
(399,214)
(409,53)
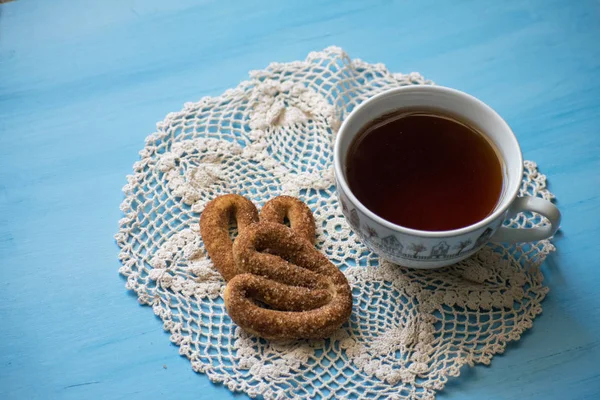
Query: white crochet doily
(410,330)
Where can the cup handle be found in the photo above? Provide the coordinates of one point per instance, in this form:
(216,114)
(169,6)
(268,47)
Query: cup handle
(517,235)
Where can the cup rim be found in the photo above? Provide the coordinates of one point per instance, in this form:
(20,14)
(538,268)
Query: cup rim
(341,178)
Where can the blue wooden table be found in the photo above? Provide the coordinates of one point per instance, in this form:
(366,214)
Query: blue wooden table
(83,82)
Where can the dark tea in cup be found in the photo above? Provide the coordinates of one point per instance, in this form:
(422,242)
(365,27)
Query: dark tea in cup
(425,169)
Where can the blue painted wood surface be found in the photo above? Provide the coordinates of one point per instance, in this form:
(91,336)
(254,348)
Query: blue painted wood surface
(83,82)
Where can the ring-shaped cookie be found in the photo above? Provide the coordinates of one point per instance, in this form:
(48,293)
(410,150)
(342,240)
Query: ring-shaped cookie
(214,228)
(276,265)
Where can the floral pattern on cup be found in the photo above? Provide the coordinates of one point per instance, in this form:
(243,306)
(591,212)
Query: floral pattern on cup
(396,249)
(391,245)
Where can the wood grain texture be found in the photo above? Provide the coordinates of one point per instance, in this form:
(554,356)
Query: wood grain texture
(82,83)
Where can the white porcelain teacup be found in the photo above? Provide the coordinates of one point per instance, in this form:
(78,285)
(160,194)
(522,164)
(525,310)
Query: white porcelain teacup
(433,249)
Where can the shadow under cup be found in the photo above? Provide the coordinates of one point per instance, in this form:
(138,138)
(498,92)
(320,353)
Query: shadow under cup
(419,248)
